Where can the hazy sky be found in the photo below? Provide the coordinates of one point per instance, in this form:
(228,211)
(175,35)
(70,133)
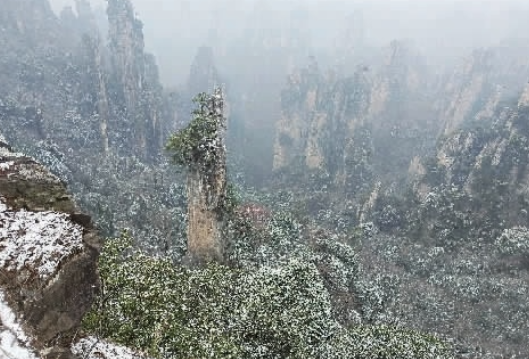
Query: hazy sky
(440,28)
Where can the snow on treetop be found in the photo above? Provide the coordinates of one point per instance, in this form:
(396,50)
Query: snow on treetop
(95,348)
(38,241)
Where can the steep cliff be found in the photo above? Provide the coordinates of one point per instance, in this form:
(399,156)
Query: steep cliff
(474,183)
(482,82)
(110,94)
(200,147)
(359,130)
(323,130)
(134,78)
(47,259)
(63,102)
(477,183)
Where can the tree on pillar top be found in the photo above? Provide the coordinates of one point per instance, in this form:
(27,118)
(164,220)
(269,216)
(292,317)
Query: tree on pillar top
(200,148)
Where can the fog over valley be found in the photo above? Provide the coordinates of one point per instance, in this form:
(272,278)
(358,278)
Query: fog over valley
(264,179)
(444,30)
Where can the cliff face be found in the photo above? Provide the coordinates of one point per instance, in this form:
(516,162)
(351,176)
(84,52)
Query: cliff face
(110,95)
(477,183)
(47,258)
(135,77)
(67,103)
(320,127)
(485,80)
(401,113)
(377,130)
(355,131)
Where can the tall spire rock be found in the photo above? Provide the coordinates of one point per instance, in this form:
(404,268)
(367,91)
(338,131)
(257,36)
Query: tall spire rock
(126,45)
(136,84)
(200,147)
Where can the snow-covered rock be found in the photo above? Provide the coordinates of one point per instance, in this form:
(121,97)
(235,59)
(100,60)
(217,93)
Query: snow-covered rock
(48,255)
(14,342)
(37,241)
(25,184)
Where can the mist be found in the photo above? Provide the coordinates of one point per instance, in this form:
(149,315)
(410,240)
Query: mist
(443,31)
(351,176)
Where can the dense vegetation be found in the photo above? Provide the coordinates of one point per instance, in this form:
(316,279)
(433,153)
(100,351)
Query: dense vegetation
(395,199)
(278,310)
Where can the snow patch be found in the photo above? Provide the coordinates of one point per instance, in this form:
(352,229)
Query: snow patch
(39,241)
(4,166)
(13,340)
(95,348)
(5,152)
(3,206)
(36,173)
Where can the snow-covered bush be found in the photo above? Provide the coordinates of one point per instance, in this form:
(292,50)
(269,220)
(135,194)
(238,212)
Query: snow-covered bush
(271,311)
(514,241)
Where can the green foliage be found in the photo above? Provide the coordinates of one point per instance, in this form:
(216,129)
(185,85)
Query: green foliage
(280,311)
(232,198)
(389,342)
(199,145)
(150,305)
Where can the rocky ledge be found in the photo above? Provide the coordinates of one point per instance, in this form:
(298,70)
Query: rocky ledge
(48,265)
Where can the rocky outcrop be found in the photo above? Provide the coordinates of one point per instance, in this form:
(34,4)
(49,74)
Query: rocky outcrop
(200,147)
(356,132)
(138,98)
(477,183)
(480,84)
(48,255)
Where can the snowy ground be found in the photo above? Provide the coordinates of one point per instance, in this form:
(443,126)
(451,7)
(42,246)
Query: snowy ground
(13,340)
(94,348)
(37,240)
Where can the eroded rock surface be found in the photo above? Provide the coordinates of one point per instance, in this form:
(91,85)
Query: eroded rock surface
(48,256)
